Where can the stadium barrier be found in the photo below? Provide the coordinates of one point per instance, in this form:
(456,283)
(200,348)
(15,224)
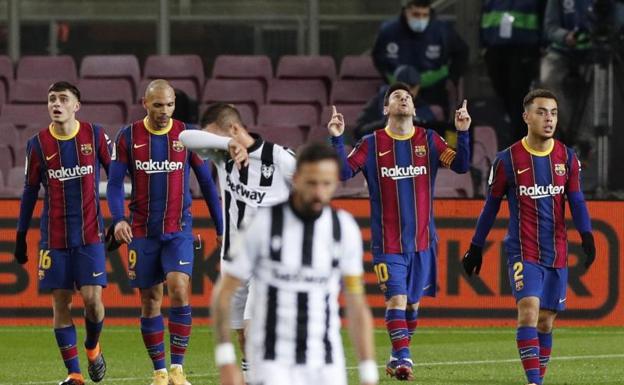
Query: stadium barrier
(594,297)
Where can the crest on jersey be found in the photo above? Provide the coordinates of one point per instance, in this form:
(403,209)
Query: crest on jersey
(86,149)
(560,169)
(177,146)
(420,151)
(267,170)
(519,285)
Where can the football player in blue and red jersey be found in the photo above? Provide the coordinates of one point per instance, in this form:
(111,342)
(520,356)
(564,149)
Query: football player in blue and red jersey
(65,158)
(536,174)
(158,232)
(400,163)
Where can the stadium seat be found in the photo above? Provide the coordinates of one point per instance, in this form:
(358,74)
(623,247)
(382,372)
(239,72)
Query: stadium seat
(354,187)
(177,67)
(452,185)
(246,112)
(249,92)
(15,182)
(353,91)
(287,116)
(106,91)
(102,113)
(19,154)
(33,91)
(187,86)
(350,112)
(358,67)
(6,75)
(243,67)
(30,130)
(291,137)
(112,67)
(307,67)
(112,129)
(25,114)
(3,93)
(50,68)
(136,112)
(487,136)
(438,112)
(283,91)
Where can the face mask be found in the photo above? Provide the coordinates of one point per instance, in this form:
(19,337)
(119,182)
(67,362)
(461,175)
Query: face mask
(418,25)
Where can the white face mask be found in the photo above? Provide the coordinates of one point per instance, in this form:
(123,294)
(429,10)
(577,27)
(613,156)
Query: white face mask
(418,25)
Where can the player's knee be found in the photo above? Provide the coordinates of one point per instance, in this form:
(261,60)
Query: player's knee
(397,302)
(178,293)
(527,317)
(92,302)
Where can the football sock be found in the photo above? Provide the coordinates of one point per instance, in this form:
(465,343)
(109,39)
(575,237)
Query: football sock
(397,329)
(411,316)
(153,331)
(528,347)
(93,330)
(545,341)
(66,341)
(180,321)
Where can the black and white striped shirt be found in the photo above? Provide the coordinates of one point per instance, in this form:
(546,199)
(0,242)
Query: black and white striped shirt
(264,182)
(296,265)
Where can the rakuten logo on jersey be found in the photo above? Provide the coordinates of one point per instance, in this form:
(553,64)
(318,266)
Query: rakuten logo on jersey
(75,172)
(397,172)
(152,167)
(539,192)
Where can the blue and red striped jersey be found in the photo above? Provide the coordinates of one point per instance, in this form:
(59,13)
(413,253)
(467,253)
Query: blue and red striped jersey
(400,172)
(158,165)
(536,184)
(68,167)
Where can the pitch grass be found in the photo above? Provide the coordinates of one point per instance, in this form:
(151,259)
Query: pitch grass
(443,356)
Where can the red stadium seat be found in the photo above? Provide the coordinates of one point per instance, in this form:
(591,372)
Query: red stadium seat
(291,137)
(6,75)
(307,67)
(19,154)
(30,130)
(487,136)
(250,92)
(106,91)
(287,116)
(112,67)
(187,86)
(25,114)
(33,91)
(282,91)
(452,185)
(15,183)
(177,67)
(243,67)
(358,67)
(350,112)
(354,187)
(102,113)
(51,68)
(353,91)
(112,129)
(246,112)
(136,112)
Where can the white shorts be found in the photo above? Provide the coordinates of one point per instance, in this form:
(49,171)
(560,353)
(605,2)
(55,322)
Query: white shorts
(276,373)
(238,307)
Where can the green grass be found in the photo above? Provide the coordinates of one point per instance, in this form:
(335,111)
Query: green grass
(443,356)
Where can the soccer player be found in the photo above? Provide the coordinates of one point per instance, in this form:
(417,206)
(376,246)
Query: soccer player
(536,174)
(65,158)
(298,252)
(263,180)
(158,232)
(400,163)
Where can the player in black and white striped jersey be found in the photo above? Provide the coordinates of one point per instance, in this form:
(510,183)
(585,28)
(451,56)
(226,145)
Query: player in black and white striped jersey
(299,252)
(262,180)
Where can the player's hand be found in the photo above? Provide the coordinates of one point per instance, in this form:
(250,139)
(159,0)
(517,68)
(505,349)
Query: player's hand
(123,232)
(462,117)
(238,153)
(219,240)
(472,259)
(21,253)
(587,241)
(336,124)
(230,375)
(111,242)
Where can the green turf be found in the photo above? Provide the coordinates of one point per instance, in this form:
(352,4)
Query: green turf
(28,355)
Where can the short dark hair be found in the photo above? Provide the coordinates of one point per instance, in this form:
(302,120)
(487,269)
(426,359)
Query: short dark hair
(316,152)
(220,113)
(538,93)
(65,86)
(418,3)
(394,87)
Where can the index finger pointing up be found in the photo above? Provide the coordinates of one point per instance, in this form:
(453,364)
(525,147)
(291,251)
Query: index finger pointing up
(334,112)
(464,103)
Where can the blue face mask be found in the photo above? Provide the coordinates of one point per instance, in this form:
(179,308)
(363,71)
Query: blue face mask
(418,25)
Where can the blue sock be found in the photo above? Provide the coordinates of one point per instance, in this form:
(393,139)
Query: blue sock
(545,341)
(153,331)
(411,316)
(180,321)
(93,330)
(528,347)
(396,325)
(66,341)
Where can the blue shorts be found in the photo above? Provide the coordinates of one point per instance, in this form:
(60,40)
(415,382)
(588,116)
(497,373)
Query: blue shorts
(411,274)
(549,284)
(73,267)
(150,259)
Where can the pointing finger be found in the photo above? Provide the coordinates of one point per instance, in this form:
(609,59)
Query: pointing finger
(334,112)
(464,103)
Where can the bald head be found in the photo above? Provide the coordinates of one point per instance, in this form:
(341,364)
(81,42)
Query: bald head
(159,102)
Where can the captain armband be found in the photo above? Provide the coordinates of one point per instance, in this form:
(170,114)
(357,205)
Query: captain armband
(353,284)
(447,157)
